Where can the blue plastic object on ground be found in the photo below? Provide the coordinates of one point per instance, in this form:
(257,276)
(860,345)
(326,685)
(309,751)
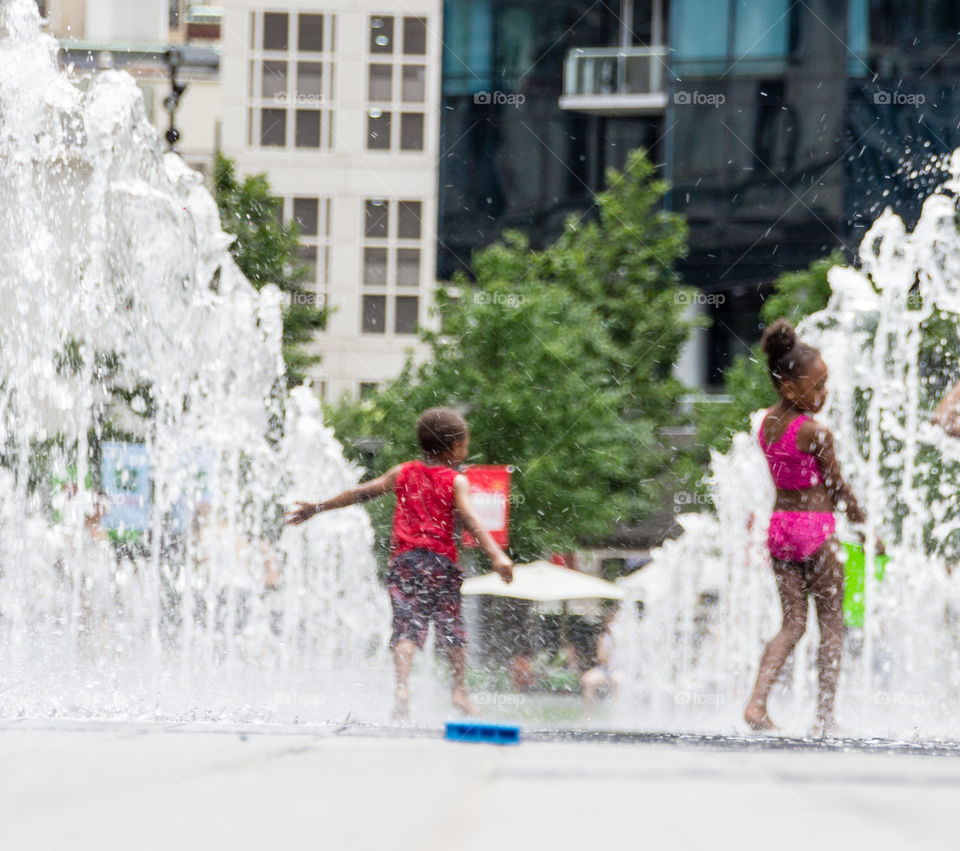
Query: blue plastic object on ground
(494,734)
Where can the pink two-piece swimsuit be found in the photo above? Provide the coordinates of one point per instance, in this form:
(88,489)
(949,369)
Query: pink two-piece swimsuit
(794,535)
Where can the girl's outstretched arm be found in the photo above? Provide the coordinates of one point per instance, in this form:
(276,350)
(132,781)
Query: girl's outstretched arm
(817,440)
(947,414)
(368,490)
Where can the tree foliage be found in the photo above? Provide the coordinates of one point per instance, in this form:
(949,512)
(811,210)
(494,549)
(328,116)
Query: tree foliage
(561,358)
(266,250)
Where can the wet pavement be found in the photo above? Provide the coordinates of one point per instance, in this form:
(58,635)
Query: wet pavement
(151,786)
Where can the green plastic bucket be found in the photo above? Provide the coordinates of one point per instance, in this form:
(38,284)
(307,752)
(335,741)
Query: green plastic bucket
(854,581)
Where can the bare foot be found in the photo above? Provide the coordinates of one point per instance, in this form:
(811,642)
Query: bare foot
(757,719)
(461,700)
(825,728)
(401,704)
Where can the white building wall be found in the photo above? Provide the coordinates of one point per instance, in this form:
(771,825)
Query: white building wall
(343,172)
(66,17)
(142,21)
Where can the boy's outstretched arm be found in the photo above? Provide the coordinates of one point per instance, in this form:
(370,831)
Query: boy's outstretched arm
(498,558)
(368,490)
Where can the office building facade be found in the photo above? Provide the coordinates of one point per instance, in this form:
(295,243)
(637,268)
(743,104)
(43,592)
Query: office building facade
(784,128)
(339,104)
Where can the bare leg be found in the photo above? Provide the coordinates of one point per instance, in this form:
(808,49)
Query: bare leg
(793,601)
(827,591)
(457,656)
(590,684)
(402,660)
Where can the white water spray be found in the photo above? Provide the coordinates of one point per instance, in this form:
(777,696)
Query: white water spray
(123,316)
(711,594)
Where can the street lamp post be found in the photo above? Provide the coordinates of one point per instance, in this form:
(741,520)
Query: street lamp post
(174,59)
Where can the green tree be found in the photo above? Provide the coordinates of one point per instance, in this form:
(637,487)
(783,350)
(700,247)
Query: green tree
(265,249)
(539,350)
(621,262)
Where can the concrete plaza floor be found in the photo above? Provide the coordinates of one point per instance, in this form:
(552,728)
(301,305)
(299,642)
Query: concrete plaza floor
(140,786)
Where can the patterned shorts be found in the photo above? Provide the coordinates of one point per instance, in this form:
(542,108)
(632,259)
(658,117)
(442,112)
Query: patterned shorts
(425,586)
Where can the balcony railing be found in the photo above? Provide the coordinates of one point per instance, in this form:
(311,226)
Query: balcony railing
(615,80)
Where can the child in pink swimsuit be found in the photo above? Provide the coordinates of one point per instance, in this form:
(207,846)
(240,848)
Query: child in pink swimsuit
(801,458)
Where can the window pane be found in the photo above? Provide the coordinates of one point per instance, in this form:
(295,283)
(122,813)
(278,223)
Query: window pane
(406,318)
(310,80)
(275,26)
(375,267)
(308,128)
(367,389)
(273,79)
(381,35)
(415,36)
(408,267)
(308,257)
(763,31)
(310,34)
(374,314)
(378,130)
(305,213)
(699,30)
(411,131)
(408,220)
(381,77)
(414,83)
(377,216)
(273,127)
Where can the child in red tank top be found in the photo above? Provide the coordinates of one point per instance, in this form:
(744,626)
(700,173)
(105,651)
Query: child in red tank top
(424,577)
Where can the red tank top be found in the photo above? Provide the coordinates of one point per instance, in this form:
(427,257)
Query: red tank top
(424,515)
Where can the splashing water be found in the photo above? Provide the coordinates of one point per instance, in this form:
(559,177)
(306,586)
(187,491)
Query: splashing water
(887,335)
(122,316)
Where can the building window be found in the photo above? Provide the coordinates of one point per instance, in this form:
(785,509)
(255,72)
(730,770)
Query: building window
(408,219)
(411,131)
(415,36)
(308,128)
(414,84)
(290,86)
(276,28)
(392,265)
(396,83)
(313,217)
(374,314)
(380,82)
(377,214)
(310,33)
(375,267)
(378,130)
(381,34)
(273,128)
(408,267)
(406,315)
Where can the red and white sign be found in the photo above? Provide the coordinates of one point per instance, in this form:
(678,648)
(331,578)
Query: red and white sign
(490,494)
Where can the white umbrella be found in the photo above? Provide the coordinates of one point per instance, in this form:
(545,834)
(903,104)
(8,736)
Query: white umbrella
(542,581)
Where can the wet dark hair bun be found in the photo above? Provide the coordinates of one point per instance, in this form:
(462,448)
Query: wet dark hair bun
(787,356)
(778,339)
